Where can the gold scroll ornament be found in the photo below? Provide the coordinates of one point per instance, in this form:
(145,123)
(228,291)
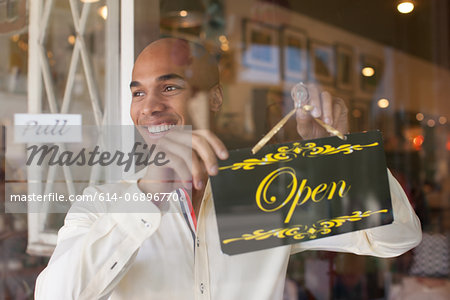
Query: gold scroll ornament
(300,232)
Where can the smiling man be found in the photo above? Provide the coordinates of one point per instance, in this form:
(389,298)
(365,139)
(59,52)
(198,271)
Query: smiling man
(175,253)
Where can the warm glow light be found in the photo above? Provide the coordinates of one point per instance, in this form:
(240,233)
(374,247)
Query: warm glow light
(368,71)
(356,113)
(223,39)
(418,141)
(71,39)
(448,145)
(103,12)
(419,116)
(15,38)
(405,7)
(442,120)
(89,1)
(383,103)
(431,123)
(183,13)
(224,47)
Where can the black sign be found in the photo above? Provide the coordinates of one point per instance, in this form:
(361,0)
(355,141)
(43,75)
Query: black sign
(295,192)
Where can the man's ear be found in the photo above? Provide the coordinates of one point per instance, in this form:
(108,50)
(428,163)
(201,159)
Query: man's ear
(215,97)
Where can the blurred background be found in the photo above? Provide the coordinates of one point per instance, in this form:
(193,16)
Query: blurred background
(389,60)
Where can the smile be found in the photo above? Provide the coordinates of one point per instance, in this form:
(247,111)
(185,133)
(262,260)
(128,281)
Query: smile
(160,128)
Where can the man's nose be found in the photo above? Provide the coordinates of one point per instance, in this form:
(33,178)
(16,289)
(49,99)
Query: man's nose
(153,105)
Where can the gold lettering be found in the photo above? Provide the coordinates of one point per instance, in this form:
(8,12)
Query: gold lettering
(297,198)
(333,189)
(316,194)
(261,192)
(342,191)
(319,189)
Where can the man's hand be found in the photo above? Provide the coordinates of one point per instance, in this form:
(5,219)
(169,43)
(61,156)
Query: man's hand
(192,156)
(330,110)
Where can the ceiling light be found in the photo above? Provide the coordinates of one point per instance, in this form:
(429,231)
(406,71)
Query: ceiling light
(418,141)
(71,39)
(405,7)
(442,120)
(383,103)
(368,71)
(431,123)
(176,14)
(419,116)
(225,47)
(103,12)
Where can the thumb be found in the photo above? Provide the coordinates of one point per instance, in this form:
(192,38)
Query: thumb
(304,122)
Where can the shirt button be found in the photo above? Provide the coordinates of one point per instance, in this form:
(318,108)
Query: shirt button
(202,288)
(198,242)
(146,224)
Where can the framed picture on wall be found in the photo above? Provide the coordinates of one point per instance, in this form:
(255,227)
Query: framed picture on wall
(261,51)
(371,71)
(322,62)
(13,17)
(269,106)
(294,54)
(345,67)
(359,115)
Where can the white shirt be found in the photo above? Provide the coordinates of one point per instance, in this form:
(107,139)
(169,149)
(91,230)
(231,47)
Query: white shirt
(151,255)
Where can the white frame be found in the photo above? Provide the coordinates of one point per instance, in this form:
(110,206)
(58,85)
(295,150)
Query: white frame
(349,51)
(253,62)
(315,46)
(120,59)
(254,69)
(288,74)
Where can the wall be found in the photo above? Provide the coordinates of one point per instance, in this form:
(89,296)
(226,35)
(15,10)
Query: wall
(410,83)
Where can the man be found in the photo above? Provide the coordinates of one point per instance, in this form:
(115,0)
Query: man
(160,255)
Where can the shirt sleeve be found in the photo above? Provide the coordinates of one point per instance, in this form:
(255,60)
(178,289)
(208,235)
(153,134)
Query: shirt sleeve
(384,241)
(94,250)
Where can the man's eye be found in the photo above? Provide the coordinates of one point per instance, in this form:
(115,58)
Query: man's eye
(170,88)
(138,94)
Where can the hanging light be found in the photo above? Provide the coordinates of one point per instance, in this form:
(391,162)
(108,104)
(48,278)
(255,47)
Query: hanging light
(368,71)
(405,6)
(182,13)
(103,12)
(383,103)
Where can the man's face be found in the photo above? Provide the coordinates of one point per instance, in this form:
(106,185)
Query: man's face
(161,87)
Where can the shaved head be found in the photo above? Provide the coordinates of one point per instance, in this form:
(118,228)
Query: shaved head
(195,63)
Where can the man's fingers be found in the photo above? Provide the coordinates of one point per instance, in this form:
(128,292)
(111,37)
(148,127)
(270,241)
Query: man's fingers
(217,145)
(182,151)
(315,100)
(198,172)
(205,153)
(304,120)
(186,137)
(327,108)
(340,112)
